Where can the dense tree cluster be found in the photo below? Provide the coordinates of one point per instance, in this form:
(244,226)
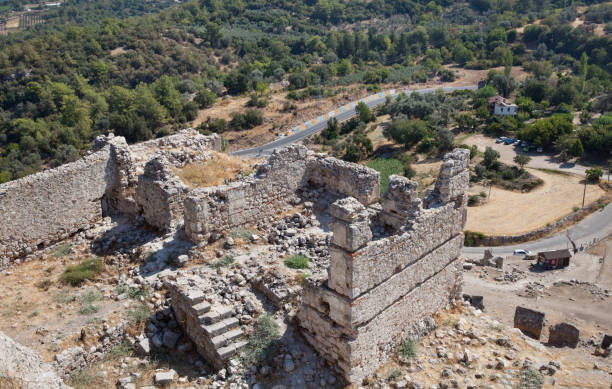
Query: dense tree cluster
(143,70)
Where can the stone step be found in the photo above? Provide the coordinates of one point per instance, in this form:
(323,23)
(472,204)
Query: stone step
(216,314)
(226,352)
(226,338)
(194,297)
(220,327)
(201,308)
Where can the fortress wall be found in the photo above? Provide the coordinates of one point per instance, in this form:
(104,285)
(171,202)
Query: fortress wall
(379,292)
(51,205)
(213,211)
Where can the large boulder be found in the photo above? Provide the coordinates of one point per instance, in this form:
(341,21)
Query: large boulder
(563,335)
(530,322)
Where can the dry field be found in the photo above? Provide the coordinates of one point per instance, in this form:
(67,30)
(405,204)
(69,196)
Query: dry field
(511,213)
(214,171)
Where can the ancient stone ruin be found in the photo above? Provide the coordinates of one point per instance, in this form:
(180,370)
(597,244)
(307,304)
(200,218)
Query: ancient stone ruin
(49,206)
(380,292)
(391,262)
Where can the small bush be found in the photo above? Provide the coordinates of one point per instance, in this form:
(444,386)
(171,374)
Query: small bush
(121,350)
(531,379)
(139,314)
(263,341)
(226,261)
(87,270)
(473,200)
(44,284)
(133,293)
(408,349)
(241,233)
(297,261)
(394,375)
(87,302)
(62,250)
(85,378)
(64,297)
(473,238)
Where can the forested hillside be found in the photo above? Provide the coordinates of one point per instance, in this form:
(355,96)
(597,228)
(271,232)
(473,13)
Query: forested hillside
(94,67)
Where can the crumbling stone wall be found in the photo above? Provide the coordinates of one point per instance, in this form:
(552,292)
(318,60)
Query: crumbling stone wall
(160,195)
(211,211)
(51,205)
(380,292)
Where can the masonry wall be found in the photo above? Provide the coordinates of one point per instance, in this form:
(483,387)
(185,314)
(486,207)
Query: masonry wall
(51,205)
(379,292)
(212,211)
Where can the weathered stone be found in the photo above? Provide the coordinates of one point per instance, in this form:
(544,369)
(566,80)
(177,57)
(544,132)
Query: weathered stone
(143,347)
(606,341)
(563,335)
(383,291)
(530,322)
(164,378)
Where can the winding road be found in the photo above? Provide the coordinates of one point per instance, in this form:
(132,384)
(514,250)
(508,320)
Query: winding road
(594,227)
(343,113)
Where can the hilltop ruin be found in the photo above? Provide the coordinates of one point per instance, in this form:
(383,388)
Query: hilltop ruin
(390,262)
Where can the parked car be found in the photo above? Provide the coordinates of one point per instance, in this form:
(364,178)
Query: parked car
(509,141)
(500,139)
(539,150)
(517,142)
(522,252)
(524,144)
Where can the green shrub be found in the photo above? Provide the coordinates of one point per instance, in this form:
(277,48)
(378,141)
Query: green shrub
(62,250)
(88,300)
(473,200)
(121,350)
(297,261)
(408,349)
(85,378)
(531,379)
(226,261)
(473,238)
(139,314)
(86,270)
(44,284)
(263,342)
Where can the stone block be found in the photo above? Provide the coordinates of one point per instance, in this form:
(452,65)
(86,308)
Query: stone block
(350,236)
(347,209)
(530,322)
(563,335)
(606,341)
(164,378)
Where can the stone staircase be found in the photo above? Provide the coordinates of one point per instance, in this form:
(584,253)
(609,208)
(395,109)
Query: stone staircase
(212,327)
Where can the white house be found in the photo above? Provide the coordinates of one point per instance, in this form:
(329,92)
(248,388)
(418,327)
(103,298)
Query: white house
(501,106)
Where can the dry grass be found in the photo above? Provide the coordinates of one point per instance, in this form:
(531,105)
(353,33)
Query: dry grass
(510,213)
(214,171)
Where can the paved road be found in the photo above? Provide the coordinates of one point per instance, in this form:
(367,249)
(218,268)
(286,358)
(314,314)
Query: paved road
(311,129)
(596,226)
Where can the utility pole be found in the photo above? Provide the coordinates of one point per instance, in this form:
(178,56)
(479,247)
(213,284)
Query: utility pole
(584,192)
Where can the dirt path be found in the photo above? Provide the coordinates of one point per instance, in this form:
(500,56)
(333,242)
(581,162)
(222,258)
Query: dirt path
(510,213)
(560,302)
